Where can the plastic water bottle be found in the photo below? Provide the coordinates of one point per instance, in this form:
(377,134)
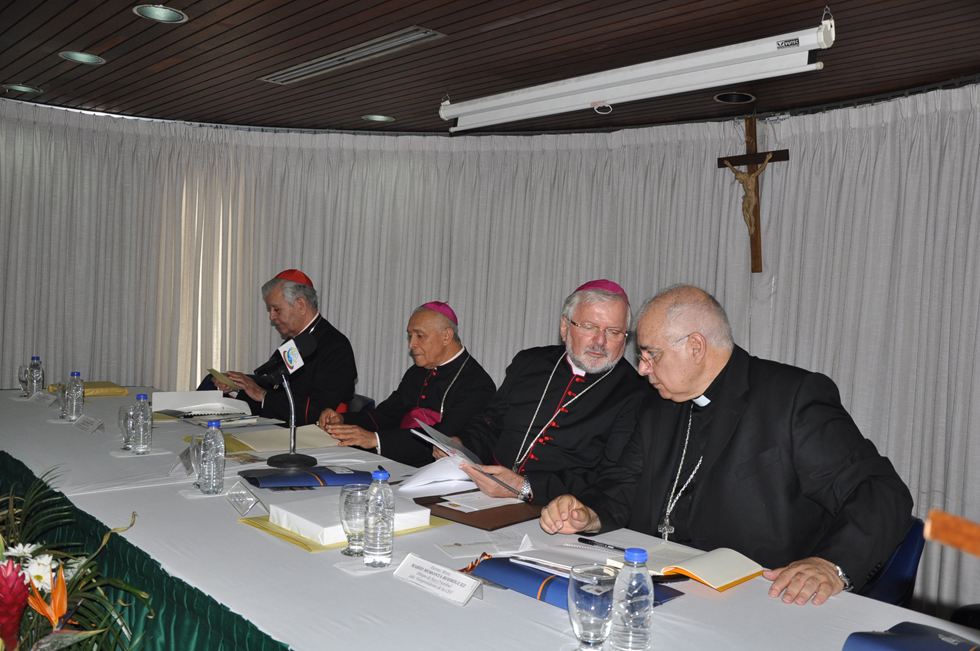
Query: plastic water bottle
(379,526)
(35,376)
(74,397)
(142,425)
(632,604)
(212,475)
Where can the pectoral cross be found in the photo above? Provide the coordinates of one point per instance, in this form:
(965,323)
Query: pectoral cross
(666,529)
(750,185)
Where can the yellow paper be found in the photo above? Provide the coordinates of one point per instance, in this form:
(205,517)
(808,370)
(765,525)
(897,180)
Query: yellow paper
(308,437)
(262,522)
(224,379)
(98,389)
(232,444)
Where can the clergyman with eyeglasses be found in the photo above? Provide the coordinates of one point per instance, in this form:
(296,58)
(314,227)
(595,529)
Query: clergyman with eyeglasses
(748,454)
(563,413)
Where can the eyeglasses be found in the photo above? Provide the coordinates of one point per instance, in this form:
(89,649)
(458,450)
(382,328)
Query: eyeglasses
(651,358)
(592,330)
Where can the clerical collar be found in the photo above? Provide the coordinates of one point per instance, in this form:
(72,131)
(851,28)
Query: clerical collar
(711,393)
(461,351)
(308,325)
(575,369)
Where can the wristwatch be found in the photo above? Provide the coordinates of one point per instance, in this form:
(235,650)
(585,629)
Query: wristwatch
(848,586)
(526,491)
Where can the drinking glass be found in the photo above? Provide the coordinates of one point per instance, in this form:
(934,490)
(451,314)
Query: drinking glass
(22,378)
(197,438)
(353,512)
(63,400)
(590,600)
(126,426)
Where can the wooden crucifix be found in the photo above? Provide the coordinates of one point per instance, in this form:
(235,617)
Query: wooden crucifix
(750,185)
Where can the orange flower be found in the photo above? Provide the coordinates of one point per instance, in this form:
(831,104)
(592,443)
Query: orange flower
(59,600)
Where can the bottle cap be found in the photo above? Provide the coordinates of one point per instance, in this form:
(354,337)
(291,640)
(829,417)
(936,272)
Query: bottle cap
(636,555)
(141,396)
(214,423)
(380,475)
(76,374)
(35,358)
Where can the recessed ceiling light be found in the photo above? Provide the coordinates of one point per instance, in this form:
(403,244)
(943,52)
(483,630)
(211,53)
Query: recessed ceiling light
(160,14)
(81,57)
(377,118)
(22,88)
(735,98)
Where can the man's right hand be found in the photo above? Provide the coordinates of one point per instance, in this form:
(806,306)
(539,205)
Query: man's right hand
(567,515)
(438,454)
(329,417)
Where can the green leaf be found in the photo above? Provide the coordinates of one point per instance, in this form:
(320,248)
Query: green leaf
(62,639)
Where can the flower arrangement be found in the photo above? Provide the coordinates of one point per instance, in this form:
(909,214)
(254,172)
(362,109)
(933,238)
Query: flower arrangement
(51,599)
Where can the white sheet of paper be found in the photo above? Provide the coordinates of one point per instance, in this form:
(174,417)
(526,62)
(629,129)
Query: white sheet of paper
(444,469)
(477,501)
(471,549)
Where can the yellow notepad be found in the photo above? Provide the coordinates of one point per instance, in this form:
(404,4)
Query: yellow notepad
(98,389)
(720,568)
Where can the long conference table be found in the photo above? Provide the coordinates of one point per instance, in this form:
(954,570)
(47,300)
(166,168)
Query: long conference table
(215,583)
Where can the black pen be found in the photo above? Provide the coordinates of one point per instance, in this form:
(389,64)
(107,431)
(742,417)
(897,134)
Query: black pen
(597,543)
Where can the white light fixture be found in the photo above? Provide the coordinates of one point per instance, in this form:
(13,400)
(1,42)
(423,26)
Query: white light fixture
(734,64)
(374,117)
(160,14)
(82,57)
(22,88)
(355,54)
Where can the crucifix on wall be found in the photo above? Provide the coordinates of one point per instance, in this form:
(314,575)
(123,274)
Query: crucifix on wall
(750,186)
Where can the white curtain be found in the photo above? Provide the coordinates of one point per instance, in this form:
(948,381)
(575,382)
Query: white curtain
(134,250)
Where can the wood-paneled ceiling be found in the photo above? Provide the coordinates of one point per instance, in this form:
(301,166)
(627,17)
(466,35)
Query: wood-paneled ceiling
(208,69)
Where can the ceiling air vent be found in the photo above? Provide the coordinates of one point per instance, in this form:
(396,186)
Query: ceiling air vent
(368,50)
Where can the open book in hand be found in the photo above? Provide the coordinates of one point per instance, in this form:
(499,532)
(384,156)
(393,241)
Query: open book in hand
(720,568)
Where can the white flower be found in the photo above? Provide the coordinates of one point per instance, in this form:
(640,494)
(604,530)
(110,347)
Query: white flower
(71,568)
(21,551)
(39,569)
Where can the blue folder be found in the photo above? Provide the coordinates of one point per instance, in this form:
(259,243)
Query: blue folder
(545,586)
(908,637)
(303,477)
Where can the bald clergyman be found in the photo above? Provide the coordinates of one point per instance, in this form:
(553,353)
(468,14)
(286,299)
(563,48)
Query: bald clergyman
(445,388)
(748,454)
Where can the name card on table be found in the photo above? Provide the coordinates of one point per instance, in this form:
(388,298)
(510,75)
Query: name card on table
(45,399)
(438,580)
(88,424)
(183,461)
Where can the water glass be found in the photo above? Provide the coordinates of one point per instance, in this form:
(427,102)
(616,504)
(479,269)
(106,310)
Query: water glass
(63,400)
(590,601)
(353,512)
(22,379)
(126,426)
(195,450)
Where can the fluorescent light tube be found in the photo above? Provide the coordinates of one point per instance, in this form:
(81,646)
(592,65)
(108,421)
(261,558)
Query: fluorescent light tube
(770,57)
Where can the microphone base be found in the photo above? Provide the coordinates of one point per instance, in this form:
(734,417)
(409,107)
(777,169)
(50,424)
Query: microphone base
(292,460)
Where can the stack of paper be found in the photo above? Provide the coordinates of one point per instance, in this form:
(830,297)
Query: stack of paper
(318,518)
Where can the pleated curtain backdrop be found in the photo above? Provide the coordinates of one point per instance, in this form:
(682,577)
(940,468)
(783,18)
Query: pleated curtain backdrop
(133,251)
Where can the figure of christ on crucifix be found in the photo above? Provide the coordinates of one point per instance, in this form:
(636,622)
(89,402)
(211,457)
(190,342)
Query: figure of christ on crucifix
(750,185)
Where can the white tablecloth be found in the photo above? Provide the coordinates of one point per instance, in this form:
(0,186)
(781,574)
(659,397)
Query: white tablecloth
(302,599)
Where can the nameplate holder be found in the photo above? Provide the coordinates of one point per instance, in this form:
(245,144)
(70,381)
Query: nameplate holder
(436,579)
(87,424)
(183,460)
(44,399)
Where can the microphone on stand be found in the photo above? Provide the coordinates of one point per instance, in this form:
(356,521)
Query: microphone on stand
(289,360)
(303,344)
